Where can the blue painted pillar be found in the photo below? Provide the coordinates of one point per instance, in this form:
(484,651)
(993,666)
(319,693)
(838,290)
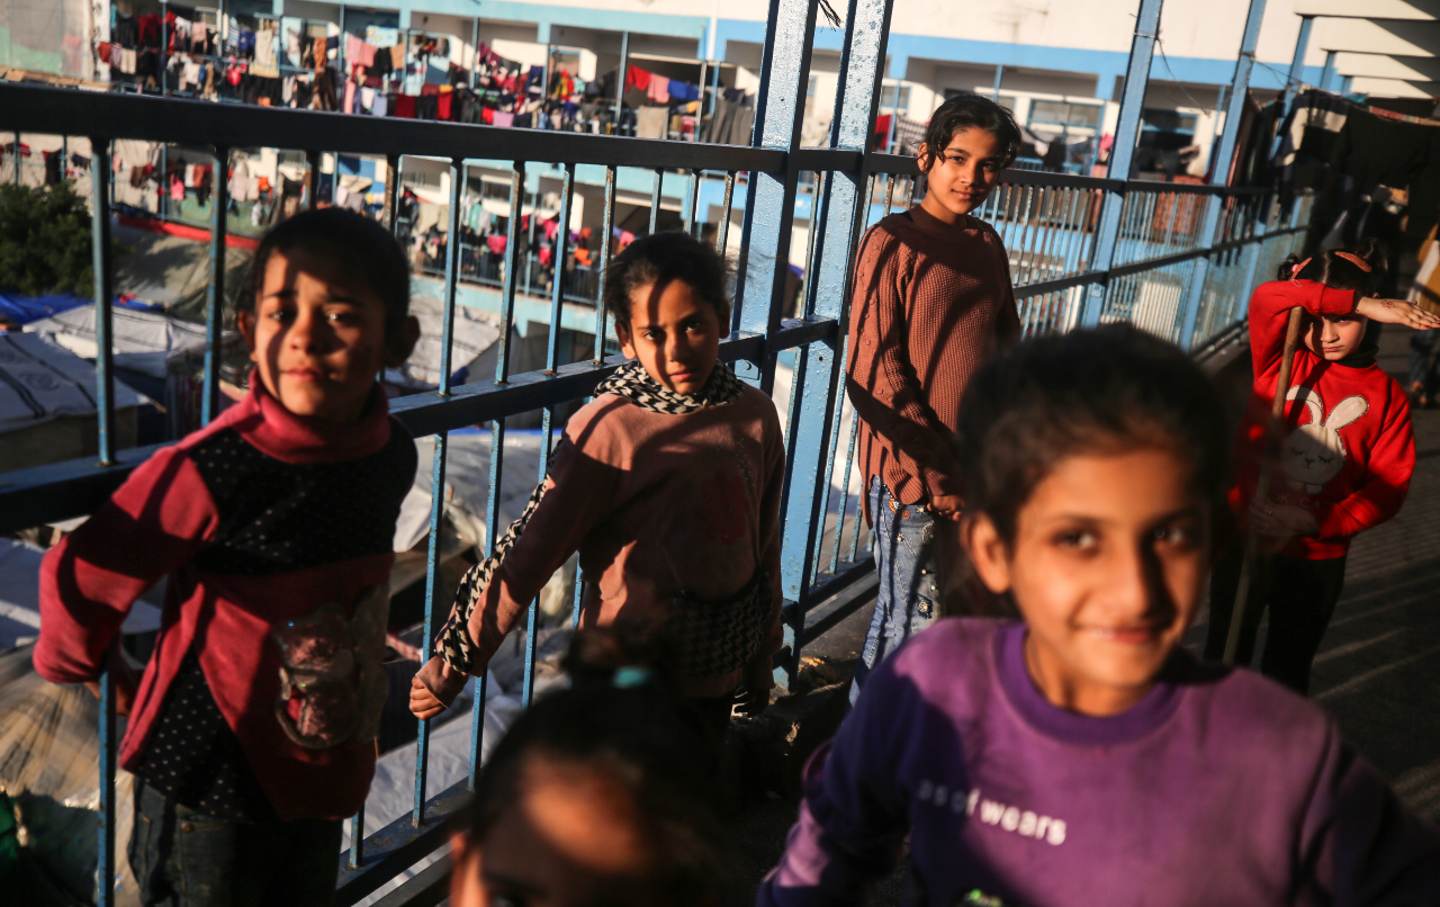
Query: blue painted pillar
(1122,153)
(620,77)
(836,220)
(999,78)
(1328,71)
(1292,78)
(1220,168)
(792,27)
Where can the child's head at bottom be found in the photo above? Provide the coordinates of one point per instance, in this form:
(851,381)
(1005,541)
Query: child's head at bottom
(666,294)
(325,310)
(1094,465)
(597,795)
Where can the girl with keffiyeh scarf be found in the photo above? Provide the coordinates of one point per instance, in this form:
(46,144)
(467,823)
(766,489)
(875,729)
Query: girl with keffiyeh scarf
(668,485)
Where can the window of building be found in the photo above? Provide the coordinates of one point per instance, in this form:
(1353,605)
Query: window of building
(1066,114)
(888,100)
(1167,140)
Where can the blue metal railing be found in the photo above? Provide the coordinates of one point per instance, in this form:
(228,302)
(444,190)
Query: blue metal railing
(1081,249)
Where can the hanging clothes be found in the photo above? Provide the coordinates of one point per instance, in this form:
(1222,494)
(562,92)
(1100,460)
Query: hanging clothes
(683,91)
(659,90)
(265,65)
(638,78)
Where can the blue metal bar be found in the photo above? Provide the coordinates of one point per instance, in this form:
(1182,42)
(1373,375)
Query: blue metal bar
(721,243)
(356,856)
(215,293)
(433,596)
(104,296)
(312,177)
(1122,152)
(999,79)
(1297,62)
(512,277)
(692,210)
(105,869)
(602,266)
(836,223)
(1220,166)
(792,26)
(1328,71)
(392,191)
(655,199)
(620,77)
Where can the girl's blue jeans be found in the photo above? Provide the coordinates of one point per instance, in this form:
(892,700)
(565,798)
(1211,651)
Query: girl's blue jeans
(904,549)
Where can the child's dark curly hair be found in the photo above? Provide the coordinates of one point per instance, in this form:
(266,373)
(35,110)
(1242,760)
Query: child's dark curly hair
(619,718)
(1361,269)
(1099,391)
(967,110)
(659,259)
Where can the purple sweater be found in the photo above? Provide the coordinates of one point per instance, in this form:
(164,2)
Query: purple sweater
(1218,788)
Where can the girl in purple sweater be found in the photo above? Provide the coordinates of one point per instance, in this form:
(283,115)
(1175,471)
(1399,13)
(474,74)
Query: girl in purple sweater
(1081,757)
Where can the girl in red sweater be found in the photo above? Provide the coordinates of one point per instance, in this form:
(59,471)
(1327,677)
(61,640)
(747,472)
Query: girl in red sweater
(1344,461)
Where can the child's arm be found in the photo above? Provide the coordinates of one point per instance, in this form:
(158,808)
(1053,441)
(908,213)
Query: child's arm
(1269,311)
(853,815)
(152,525)
(1387,479)
(882,383)
(578,495)
(1358,844)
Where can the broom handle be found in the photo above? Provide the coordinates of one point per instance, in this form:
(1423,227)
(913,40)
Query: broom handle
(1262,485)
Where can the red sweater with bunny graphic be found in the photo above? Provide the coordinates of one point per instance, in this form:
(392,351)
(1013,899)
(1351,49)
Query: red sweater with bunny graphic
(1348,448)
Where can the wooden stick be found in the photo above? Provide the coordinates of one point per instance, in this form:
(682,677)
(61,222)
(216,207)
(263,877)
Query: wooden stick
(1262,485)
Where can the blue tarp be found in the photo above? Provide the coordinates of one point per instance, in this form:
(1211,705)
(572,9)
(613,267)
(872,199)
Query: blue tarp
(19,309)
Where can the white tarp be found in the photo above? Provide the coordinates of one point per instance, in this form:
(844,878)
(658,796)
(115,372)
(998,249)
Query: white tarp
(144,342)
(40,381)
(467,485)
(20,597)
(473,334)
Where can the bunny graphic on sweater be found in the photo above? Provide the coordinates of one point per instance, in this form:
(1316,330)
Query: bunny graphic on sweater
(1314,452)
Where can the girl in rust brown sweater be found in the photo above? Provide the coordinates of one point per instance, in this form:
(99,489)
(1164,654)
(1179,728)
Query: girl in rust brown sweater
(932,301)
(668,484)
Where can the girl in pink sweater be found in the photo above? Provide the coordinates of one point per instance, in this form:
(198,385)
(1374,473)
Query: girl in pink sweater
(668,484)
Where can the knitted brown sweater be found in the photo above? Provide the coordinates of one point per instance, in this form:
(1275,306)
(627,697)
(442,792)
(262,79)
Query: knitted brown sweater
(931,302)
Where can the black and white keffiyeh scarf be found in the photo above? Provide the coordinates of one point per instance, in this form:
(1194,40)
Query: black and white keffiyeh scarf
(630,381)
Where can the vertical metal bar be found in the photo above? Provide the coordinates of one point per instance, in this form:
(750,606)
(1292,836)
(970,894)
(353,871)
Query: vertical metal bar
(655,198)
(215,293)
(105,411)
(890,133)
(312,178)
(691,215)
(1127,130)
(392,190)
(356,855)
(474,49)
(1220,166)
(999,78)
(620,77)
(1297,66)
(561,251)
(841,213)
(512,277)
(700,115)
(602,266)
(105,852)
(163,57)
(16,169)
(729,203)
(437,472)
(543,115)
(1328,71)
(104,296)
